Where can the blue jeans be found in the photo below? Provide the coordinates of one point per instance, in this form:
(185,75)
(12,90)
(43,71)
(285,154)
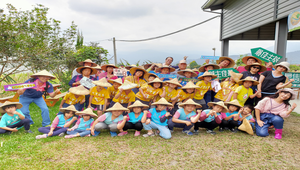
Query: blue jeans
(268,119)
(172,124)
(56,131)
(40,102)
(78,107)
(82,133)
(164,130)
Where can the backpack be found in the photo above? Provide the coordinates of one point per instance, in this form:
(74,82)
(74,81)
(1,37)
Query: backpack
(45,89)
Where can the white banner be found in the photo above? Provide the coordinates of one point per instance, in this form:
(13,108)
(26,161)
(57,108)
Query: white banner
(294,21)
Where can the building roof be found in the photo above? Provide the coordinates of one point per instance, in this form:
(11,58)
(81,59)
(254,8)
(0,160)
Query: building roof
(213,4)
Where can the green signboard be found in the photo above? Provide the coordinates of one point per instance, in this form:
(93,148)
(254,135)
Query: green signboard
(296,77)
(188,79)
(222,73)
(265,55)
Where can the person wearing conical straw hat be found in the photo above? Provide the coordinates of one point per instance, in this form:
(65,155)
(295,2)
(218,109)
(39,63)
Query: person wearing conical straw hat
(76,97)
(99,71)
(185,117)
(99,95)
(271,81)
(150,77)
(248,60)
(35,95)
(83,125)
(112,90)
(243,92)
(84,72)
(272,110)
(211,118)
(13,118)
(87,63)
(227,118)
(134,121)
(228,87)
(187,73)
(253,72)
(113,120)
(204,86)
(137,77)
(148,92)
(125,96)
(152,68)
(207,67)
(165,70)
(244,113)
(225,62)
(108,72)
(157,119)
(60,123)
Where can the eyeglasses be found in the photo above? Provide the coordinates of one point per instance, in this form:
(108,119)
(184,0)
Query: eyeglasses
(256,67)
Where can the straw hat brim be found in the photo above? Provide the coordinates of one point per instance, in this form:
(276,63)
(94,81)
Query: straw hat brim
(190,86)
(82,113)
(233,103)
(77,91)
(176,83)
(133,70)
(88,61)
(202,69)
(244,60)
(7,103)
(112,81)
(208,75)
(104,67)
(140,104)
(185,103)
(146,76)
(156,80)
(162,101)
(245,126)
(43,73)
(224,110)
(128,86)
(242,81)
(117,109)
(171,68)
(102,84)
(235,76)
(68,108)
(262,68)
(80,69)
(230,65)
(183,71)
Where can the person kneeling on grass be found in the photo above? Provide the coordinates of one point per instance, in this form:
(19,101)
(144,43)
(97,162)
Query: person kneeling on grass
(227,118)
(134,118)
(185,117)
(13,119)
(83,125)
(60,124)
(113,120)
(157,119)
(211,118)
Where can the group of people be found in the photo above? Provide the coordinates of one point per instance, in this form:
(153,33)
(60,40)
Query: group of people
(158,97)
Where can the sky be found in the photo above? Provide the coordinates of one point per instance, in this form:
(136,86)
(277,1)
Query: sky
(101,20)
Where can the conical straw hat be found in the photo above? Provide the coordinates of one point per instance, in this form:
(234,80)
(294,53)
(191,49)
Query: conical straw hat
(190,85)
(190,102)
(235,76)
(137,103)
(129,67)
(118,80)
(245,126)
(80,69)
(174,81)
(234,102)
(88,61)
(220,103)
(117,106)
(202,69)
(7,103)
(187,70)
(70,108)
(102,82)
(248,79)
(43,73)
(127,85)
(247,57)
(195,70)
(206,74)
(230,65)
(156,80)
(79,90)
(171,68)
(134,69)
(146,76)
(104,67)
(87,111)
(162,101)
(97,67)
(262,68)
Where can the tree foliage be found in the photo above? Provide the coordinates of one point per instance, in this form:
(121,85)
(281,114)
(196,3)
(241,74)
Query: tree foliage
(193,65)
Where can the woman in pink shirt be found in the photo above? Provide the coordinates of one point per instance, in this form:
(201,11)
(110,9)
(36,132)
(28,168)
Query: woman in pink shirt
(108,74)
(271,110)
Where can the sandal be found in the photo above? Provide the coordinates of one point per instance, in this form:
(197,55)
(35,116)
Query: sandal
(147,134)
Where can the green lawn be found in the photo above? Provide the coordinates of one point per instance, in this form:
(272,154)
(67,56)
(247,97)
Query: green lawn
(204,151)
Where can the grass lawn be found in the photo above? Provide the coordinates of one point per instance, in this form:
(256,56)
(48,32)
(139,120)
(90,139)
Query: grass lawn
(204,151)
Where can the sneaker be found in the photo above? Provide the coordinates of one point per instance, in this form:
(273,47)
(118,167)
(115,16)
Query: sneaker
(196,131)
(211,132)
(137,133)
(41,136)
(123,133)
(233,130)
(113,134)
(187,132)
(62,134)
(147,135)
(221,129)
(28,131)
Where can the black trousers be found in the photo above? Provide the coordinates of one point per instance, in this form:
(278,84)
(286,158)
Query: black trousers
(209,126)
(137,126)
(229,123)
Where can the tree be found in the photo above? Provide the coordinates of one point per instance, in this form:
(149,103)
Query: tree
(193,65)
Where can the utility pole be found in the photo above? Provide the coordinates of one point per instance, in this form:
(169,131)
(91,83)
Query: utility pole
(115,51)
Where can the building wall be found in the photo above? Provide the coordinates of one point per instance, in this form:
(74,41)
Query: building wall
(285,7)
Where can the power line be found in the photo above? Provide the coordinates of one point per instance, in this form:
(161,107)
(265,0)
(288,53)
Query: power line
(147,39)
